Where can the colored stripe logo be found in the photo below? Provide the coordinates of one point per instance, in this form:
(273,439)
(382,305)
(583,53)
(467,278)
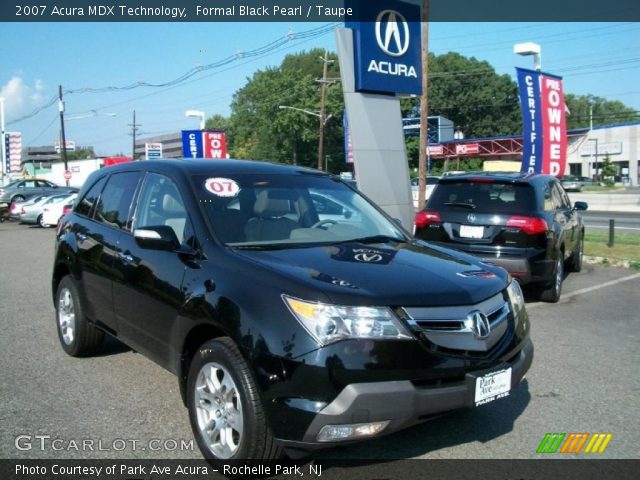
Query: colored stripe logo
(574,443)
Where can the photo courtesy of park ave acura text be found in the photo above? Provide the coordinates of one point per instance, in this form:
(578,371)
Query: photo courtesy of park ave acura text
(390,238)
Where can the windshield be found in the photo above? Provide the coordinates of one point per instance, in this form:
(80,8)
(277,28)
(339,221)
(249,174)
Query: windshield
(252,210)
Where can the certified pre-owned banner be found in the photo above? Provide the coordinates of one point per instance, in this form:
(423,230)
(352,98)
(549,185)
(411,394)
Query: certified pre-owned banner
(544,129)
(529,88)
(554,126)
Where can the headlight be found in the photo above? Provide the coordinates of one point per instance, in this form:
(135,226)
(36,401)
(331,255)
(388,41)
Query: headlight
(330,323)
(516,298)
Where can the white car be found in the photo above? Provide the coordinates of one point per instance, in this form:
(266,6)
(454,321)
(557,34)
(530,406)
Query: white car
(53,211)
(432,181)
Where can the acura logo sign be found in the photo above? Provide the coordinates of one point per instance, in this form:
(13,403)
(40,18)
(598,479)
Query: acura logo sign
(368,257)
(392,33)
(479,324)
(471,217)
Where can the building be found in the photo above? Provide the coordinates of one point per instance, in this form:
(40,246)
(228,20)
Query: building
(171,145)
(586,150)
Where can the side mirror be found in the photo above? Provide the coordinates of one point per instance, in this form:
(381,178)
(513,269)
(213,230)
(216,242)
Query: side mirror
(580,206)
(157,237)
(346,213)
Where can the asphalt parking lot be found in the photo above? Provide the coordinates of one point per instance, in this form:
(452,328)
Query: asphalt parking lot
(584,379)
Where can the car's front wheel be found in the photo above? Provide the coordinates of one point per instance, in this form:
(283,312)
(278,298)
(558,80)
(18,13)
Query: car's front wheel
(77,336)
(17,199)
(224,405)
(41,221)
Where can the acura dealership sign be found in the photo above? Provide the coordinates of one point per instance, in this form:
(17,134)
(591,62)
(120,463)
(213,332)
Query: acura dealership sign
(387,51)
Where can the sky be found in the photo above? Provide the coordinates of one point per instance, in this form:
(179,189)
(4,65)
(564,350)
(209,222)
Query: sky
(602,59)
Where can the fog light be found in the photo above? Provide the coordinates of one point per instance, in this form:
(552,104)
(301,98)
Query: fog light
(332,433)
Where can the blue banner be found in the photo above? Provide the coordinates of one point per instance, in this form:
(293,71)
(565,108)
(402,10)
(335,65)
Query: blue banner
(529,90)
(387,51)
(192,144)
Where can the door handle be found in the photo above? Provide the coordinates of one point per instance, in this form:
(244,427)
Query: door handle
(125,257)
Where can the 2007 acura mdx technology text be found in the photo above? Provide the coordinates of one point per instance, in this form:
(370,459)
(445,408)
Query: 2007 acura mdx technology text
(287,330)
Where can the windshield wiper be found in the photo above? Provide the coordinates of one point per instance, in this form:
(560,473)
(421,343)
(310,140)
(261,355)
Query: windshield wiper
(460,204)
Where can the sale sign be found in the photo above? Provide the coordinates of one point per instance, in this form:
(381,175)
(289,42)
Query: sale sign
(554,125)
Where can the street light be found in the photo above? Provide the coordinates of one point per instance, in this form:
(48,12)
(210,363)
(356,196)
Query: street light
(530,48)
(323,121)
(596,176)
(198,114)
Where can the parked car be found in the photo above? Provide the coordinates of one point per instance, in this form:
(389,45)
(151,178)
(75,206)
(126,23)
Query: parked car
(432,181)
(285,330)
(571,183)
(20,190)
(52,212)
(521,222)
(32,212)
(16,207)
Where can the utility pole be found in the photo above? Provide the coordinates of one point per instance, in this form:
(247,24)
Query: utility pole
(323,98)
(134,128)
(63,140)
(424,108)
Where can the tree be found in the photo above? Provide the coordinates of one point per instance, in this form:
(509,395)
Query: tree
(609,171)
(471,94)
(584,108)
(80,153)
(263,131)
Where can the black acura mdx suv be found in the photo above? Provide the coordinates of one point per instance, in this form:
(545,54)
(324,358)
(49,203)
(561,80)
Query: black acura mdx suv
(522,222)
(290,326)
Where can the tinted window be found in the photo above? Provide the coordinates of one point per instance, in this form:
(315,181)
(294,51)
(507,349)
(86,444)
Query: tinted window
(483,197)
(161,204)
(85,206)
(115,202)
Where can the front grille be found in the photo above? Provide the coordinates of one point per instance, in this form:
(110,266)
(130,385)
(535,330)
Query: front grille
(461,328)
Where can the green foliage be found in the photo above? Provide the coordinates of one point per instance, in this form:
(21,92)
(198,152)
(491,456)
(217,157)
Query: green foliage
(263,131)
(471,94)
(609,170)
(604,111)
(80,154)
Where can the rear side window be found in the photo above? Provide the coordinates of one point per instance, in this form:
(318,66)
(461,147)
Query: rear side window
(85,206)
(114,205)
(494,197)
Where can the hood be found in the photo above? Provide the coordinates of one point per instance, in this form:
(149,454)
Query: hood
(393,274)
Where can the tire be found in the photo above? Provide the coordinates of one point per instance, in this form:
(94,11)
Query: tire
(575,262)
(40,221)
(225,410)
(17,198)
(77,336)
(552,293)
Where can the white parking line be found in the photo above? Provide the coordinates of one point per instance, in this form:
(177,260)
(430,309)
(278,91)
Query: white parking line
(589,289)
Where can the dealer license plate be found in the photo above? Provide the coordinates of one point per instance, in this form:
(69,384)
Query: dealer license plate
(492,386)
(471,231)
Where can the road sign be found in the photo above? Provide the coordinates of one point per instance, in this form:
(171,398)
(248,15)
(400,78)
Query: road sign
(67,175)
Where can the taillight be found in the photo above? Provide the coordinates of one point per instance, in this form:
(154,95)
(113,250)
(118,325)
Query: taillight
(529,225)
(66,209)
(426,217)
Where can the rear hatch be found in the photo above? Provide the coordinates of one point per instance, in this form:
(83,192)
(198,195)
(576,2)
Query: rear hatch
(482,212)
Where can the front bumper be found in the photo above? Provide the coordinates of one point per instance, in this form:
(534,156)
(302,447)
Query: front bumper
(402,403)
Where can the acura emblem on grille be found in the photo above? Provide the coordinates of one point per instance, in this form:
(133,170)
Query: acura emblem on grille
(471,217)
(479,324)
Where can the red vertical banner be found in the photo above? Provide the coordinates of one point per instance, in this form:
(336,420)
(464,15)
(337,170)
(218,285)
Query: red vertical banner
(554,125)
(215,144)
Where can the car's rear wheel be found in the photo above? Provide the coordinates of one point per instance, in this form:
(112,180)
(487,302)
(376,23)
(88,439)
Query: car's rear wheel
(224,405)
(577,256)
(17,198)
(77,336)
(552,293)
